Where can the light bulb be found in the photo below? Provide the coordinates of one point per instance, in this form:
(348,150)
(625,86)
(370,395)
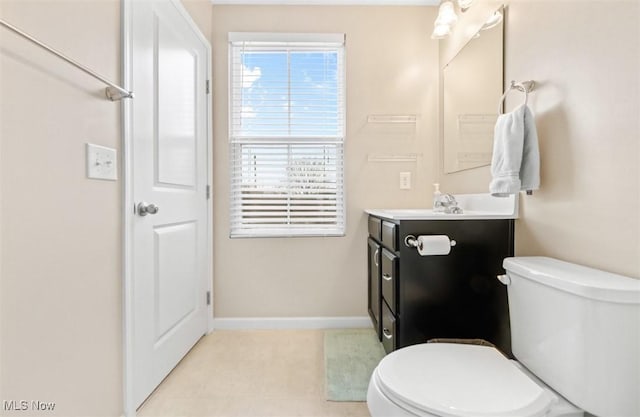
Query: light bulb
(446,14)
(441,31)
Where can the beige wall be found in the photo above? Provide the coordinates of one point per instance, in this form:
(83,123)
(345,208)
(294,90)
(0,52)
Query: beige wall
(60,257)
(200,11)
(60,287)
(391,68)
(585,58)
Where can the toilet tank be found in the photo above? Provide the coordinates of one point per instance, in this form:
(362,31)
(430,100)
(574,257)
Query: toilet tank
(577,329)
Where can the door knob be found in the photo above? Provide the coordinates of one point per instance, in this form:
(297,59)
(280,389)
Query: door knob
(147,208)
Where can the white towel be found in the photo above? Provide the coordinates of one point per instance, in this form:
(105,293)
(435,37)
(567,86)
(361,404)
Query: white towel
(515,164)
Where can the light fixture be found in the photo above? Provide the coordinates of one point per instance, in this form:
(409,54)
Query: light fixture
(446,14)
(493,20)
(446,18)
(464,4)
(441,31)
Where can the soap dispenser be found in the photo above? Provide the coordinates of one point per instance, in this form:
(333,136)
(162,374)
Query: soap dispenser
(438,207)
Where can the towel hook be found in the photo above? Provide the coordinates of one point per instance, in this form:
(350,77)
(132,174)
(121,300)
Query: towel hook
(524,87)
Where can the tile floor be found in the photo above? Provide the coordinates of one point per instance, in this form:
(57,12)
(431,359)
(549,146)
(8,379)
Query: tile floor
(262,373)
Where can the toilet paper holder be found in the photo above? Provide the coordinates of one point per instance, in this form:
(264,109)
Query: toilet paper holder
(411,241)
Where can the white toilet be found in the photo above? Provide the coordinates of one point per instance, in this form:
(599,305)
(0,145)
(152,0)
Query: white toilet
(575,328)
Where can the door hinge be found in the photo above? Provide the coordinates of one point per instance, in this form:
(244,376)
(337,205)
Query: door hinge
(208,298)
(208,192)
(208,88)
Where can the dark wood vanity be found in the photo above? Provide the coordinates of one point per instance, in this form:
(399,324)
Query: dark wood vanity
(414,298)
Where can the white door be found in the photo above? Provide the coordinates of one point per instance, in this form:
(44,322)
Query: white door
(169,64)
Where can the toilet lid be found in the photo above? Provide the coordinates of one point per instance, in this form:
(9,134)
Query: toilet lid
(460,380)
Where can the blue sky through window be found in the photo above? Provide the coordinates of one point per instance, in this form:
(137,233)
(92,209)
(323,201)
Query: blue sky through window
(291,93)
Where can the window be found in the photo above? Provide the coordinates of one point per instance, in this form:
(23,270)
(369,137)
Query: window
(286,134)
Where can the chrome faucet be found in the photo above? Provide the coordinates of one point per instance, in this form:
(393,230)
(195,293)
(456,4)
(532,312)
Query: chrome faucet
(450,204)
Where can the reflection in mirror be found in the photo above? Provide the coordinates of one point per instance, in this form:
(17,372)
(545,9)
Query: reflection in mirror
(473,82)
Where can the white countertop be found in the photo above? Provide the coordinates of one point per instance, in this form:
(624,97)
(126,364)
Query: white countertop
(474,206)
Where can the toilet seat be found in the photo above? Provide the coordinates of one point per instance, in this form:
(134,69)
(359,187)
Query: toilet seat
(456,380)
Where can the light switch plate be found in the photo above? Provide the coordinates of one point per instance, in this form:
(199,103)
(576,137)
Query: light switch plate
(405,180)
(102,162)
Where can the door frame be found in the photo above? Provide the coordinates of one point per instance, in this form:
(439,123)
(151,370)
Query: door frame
(128,210)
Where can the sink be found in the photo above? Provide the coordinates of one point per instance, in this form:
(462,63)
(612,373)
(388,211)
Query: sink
(474,206)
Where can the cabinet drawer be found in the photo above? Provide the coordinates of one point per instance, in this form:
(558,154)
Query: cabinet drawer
(389,278)
(389,235)
(388,329)
(375,228)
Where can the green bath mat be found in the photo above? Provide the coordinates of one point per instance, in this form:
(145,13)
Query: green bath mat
(350,356)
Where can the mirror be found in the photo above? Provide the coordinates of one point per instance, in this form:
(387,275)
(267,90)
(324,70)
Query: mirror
(473,82)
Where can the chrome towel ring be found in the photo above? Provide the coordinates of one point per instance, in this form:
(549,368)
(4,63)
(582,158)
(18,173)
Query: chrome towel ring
(524,87)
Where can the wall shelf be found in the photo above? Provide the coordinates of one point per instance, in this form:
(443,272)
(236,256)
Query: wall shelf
(392,118)
(413,157)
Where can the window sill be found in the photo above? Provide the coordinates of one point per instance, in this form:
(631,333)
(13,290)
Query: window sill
(285,235)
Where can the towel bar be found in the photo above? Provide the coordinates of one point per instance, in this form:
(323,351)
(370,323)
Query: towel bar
(113,92)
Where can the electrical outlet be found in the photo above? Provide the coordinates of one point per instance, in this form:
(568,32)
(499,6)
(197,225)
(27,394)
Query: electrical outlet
(101,162)
(405,180)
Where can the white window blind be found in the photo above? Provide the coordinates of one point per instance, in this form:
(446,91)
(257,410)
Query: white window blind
(287,134)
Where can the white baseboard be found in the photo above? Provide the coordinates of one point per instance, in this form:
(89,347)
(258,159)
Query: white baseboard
(275,323)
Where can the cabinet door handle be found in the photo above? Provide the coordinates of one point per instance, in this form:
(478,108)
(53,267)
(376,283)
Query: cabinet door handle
(375,257)
(386,277)
(387,334)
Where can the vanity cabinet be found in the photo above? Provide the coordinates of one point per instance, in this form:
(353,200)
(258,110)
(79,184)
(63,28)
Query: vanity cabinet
(414,298)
